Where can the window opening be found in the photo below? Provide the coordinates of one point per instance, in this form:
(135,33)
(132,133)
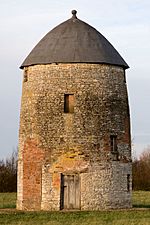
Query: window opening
(68,103)
(128,182)
(124,77)
(113,144)
(25,78)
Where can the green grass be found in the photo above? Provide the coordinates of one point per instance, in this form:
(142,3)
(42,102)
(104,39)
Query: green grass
(8,200)
(77,218)
(141,199)
(116,217)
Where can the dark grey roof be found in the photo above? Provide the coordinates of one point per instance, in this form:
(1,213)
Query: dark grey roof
(74,41)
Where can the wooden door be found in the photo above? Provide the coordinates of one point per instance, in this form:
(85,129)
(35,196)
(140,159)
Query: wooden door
(70,191)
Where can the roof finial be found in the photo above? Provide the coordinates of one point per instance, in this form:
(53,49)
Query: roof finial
(74,12)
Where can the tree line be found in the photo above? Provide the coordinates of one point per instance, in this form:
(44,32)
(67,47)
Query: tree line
(8,174)
(140,172)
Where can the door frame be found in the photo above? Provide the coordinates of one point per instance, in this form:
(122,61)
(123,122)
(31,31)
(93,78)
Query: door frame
(62,190)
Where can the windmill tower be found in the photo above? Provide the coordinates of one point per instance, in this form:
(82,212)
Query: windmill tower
(74,138)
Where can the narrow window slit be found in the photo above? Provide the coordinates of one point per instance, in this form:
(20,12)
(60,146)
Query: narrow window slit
(128,182)
(25,78)
(69,103)
(113,146)
(113,142)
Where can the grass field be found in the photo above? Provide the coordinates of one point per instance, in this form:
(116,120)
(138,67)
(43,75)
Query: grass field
(134,216)
(141,199)
(8,200)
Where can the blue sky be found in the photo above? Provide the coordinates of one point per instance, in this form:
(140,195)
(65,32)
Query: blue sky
(125,23)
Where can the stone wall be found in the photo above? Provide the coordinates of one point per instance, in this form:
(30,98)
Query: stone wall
(107,187)
(77,142)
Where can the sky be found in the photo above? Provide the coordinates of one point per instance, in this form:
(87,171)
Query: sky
(125,23)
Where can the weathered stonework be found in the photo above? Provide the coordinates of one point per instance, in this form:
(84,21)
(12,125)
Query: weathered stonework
(53,143)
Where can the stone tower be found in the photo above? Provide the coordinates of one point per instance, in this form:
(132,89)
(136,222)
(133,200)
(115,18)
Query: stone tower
(74,139)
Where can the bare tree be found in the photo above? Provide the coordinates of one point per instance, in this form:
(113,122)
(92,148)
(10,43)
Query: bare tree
(141,171)
(8,173)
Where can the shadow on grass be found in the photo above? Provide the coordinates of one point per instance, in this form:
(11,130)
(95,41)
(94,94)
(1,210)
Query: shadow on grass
(141,206)
(8,206)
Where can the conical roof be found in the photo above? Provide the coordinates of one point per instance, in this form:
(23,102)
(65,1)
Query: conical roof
(74,41)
